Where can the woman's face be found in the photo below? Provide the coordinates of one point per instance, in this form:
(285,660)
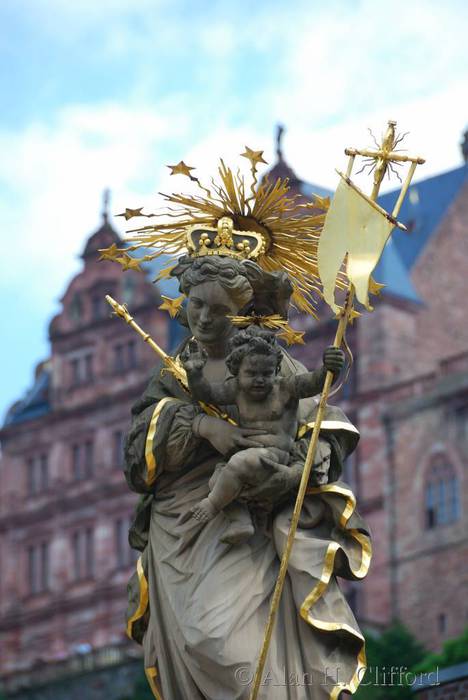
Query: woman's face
(207,309)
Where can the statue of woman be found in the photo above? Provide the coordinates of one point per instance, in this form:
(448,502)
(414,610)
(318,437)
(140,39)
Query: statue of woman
(198,605)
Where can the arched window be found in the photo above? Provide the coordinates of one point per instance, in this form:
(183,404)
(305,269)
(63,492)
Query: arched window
(442,493)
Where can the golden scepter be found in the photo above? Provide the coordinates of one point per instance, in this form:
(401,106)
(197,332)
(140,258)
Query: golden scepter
(171,365)
(359,269)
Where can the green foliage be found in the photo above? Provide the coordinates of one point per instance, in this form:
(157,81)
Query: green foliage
(396,648)
(454,651)
(141,691)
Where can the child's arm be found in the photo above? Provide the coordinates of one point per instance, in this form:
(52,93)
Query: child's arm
(193,361)
(311,383)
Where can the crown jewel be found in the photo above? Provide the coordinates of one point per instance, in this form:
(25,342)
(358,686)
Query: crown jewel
(224,240)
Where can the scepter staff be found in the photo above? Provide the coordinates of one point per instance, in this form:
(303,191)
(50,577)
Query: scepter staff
(380,160)
(171,365)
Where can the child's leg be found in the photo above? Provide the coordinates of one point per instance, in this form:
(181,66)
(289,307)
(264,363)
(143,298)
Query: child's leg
(240,527)
(229,483)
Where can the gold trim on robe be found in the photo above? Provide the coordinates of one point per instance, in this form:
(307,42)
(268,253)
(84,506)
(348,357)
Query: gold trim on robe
(327,572)
(143,601)
(151,675)
(149,454)
(326,425)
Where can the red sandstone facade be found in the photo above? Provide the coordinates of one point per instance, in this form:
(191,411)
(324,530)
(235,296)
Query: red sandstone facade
(64,504)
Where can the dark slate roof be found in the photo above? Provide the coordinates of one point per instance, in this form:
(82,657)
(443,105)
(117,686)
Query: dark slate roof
(392,272)
(36,401)
(424,208)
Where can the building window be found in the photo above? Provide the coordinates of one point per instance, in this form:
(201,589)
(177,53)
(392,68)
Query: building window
(125,555)
(38,568)
(82,460)
(83,554)
(82,370)
(442,623)
(118,448)
(461,423)
(76,308)
(97,306)
(442,505)
(131,354)
(125,356)
(37,474)
(119,362)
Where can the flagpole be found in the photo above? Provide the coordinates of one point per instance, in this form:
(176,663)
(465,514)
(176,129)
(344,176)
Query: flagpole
(384,155)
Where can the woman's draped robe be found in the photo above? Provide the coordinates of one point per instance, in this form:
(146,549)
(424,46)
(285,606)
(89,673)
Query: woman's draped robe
(199,606)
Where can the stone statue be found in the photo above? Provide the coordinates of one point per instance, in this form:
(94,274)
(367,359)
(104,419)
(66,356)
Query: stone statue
(225,440)
(202,617)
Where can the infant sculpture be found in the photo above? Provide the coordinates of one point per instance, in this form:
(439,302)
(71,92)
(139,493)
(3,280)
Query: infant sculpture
(267,402)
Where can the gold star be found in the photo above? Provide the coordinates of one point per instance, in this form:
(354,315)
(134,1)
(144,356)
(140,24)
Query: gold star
(353,315)
(130,213)
(128,263)
(172,306)
(291,337)
(165,274)
(254,156)
(320,202)
(109,253)
(132,264)
(181,169)
(375,287)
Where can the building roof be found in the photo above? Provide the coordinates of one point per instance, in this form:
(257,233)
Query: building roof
(391,272)
(36,401)
(104,237)
(424,208)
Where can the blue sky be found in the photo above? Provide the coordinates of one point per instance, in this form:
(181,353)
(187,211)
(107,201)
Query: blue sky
(105,94)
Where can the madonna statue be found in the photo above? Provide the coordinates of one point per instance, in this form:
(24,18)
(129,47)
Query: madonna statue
(198,605)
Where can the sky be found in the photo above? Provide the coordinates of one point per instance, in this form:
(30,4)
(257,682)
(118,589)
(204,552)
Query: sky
(106,94)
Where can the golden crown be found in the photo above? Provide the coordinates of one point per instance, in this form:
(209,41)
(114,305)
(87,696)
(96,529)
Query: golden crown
(224,240)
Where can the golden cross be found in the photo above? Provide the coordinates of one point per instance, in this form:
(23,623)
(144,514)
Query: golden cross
(383,157)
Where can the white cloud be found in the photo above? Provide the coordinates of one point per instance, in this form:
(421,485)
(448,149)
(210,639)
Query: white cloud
(55,175)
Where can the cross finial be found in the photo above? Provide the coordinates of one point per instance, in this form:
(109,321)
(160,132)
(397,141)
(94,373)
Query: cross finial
(279,136)
(464,146)
(105,205)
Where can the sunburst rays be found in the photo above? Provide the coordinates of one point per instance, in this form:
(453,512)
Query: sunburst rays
(290,226)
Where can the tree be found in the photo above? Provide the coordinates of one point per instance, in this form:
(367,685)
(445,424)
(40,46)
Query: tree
(389,657)
(141,691)
(454,651)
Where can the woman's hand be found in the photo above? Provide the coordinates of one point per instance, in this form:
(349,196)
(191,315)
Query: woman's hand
(227,438)
(282,481)
(286,478)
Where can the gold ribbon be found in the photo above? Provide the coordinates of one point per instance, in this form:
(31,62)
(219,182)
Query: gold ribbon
(326,425)
(151,675)
(149,453)
(327,571)
(143,601)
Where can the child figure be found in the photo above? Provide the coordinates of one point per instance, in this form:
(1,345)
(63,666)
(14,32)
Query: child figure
(266,401)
